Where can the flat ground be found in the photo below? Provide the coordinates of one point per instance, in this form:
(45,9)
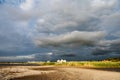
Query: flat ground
(55,73)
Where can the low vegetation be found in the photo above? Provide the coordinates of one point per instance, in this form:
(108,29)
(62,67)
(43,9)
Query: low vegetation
(87,64)
(107,63)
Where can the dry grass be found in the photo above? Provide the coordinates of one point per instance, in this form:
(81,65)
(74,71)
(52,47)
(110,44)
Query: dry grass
(91,64)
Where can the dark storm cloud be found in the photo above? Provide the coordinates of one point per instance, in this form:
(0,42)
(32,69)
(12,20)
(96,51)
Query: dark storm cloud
(83,27)
(101,52)
(108,47)
(15,35)
(69,55)
(59,27)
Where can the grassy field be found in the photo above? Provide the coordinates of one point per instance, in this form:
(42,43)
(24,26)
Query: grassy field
(86,64)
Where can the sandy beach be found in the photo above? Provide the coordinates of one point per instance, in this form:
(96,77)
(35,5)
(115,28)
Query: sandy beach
(55,73)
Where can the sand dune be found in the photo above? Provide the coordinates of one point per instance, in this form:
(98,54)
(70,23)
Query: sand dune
(55,73)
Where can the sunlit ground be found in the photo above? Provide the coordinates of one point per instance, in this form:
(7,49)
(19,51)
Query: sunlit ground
(73,70)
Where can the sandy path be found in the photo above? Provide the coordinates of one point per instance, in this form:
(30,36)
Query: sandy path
(90,74)
(19,71)
(54,73)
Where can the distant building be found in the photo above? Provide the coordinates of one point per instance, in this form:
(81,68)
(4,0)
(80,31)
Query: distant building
(61,61)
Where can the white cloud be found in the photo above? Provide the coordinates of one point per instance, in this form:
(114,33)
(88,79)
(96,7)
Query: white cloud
(50,53)
(27,5)
(103,3)
(72,38)
(13,58)
(109,42)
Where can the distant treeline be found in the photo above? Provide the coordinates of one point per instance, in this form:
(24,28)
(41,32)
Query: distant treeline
(112,59)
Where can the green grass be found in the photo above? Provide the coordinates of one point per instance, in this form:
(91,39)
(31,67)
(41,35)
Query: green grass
(87,64)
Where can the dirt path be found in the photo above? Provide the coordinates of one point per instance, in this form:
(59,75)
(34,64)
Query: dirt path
(90,74)
(55,73)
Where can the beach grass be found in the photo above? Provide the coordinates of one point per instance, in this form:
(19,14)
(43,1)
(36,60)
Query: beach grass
(87,64)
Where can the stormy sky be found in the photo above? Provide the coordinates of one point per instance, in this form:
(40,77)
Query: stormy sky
(41,30)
